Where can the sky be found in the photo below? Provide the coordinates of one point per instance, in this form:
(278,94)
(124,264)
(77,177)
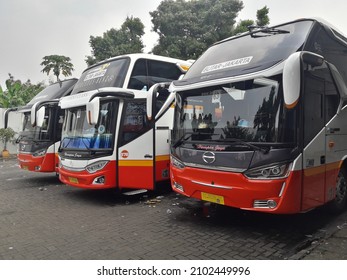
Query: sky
(32,29)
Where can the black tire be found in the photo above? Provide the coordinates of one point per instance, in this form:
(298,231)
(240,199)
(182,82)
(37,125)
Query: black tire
(339,203)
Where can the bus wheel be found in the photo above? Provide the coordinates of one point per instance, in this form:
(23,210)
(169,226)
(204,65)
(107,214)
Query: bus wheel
(339,203)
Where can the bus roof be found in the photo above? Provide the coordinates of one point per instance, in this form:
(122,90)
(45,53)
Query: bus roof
(135,56)
(51,92)
(261,51)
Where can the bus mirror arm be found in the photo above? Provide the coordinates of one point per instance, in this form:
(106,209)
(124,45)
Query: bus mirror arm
(152,96)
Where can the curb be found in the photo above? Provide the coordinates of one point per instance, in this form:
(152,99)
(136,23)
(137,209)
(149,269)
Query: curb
(321,237)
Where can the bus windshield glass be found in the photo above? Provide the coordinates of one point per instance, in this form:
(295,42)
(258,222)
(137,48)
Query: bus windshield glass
(107,74)
(79,134)
(43,133)
(251,111)
(248,53)
(53,91)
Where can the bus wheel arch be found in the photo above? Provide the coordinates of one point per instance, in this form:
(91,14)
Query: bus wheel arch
(340,201)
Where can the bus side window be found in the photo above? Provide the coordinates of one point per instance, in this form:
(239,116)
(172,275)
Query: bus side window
(59,128)
(321,101)
(135,121)
(332,99)
(159,72)
(139,76)
(313,106)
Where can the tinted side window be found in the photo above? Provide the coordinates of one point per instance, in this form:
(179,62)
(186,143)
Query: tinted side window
(313,106)
(332,50)
(332,99)
(135,121)
(321,101)
(60,121)
(160,71)
(146,73)
(138,79)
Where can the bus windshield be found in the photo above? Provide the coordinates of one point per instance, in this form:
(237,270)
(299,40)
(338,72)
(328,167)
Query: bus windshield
(43,133)
(79,134)
(249,111)
(107,74)
(248,53)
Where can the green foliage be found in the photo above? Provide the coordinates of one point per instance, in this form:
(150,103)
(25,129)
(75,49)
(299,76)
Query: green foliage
(116,42)
(59,64)
(7,135)
(262,16)
(242,26)
(18,93)
(187,28)
(262,20)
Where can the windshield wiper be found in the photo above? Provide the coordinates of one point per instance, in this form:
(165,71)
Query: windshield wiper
(184,138)
(267,30)
(235,142)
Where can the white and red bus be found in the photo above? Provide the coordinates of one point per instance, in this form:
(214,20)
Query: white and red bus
(38,143)
(107,139)
(260,120)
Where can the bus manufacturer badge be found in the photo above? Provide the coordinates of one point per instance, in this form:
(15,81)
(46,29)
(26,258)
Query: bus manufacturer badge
(124,154)
(209,157)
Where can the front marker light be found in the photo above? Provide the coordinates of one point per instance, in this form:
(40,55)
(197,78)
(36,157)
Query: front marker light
(96,166)
(177,163)
(278,171)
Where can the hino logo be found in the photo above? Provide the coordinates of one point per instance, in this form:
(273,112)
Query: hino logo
(209,157)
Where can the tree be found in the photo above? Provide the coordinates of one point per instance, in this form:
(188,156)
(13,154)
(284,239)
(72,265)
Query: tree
(242,26)
(18,93)
(187,28)
(262,16)
(7,135)
(262,20)
(59,64)
(116,42)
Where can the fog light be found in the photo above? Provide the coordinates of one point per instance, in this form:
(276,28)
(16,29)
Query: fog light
(272,204)
(99,180)
(265,204)
(37,168)
(178,186)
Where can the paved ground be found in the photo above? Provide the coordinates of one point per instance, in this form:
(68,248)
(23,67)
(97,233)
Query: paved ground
(42,219)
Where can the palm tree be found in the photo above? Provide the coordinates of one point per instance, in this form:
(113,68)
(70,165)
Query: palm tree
(59,64)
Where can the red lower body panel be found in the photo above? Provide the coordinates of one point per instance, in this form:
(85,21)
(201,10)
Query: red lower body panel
(46,163)
(103,179)
(235,190)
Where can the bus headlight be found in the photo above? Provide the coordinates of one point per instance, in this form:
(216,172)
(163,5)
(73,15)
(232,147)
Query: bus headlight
(278,171)
(177,163)
(40,153)
(96,166)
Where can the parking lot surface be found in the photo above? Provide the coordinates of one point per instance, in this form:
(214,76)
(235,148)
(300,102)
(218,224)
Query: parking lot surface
(40,218)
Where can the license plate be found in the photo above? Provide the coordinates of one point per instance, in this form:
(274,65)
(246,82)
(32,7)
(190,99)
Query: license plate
(25,167)
(212,198)
(73,180)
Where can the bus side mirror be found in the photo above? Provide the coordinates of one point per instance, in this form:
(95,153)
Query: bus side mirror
(154,95)
(37,116)
(40,116)
(149,101)
(292,80)
(93,108)
(312,59)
